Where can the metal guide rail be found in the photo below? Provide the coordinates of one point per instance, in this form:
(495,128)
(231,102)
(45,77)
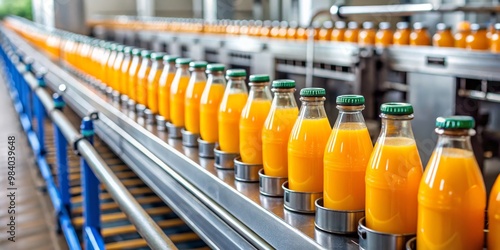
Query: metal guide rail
(224,212)
(100,217)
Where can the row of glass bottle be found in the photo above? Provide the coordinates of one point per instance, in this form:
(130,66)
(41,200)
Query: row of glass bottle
(455,209)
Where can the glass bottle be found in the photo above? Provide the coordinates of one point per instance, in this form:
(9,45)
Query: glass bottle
(307,142)
(210,102)
(463,30)
(127,61)
(115,79)
(104,60)
(452,195)
(233,101)
(338,32)
(494,216)
(443,36)
(142,77)
(165,83)
(402,34)
(384,35)
(133,72)
(109,65)
(265,31)
(420,35)
(282,33)
(154,80)
(393,174)
(194,91)
(252,119)
(366,36)
(325,32)
(352,32)
(477,40)
(495,40)
(291,33)
(346,156)
(178,91)
(277,128)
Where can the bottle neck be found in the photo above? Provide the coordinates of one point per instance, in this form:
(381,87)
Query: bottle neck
(284,98)
(182,70)
(146,62)
(237,83)
(158,64)
(396,126)
(169,67)
(198,75)
(350,114)
(455,138)
(259,91)
(216,78)
(312,108)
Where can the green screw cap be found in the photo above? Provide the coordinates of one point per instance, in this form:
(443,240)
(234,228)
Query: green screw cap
(136,51)
(313,92)
(170,59)
(396,108)
(259,78)
(198,64)
(216,67)
(146,53)
(157,55)
(183,61)
(283,84)
(350,100)
(455,122)
(128,49)
(120,48)
(236,73)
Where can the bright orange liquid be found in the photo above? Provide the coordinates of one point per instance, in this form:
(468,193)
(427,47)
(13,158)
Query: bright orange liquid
(164,94)
(132,80)
(252,120)
(142,84)
(477,40)
(346,157)
(209,108)
(443,39)
(351,35)
(420,38)
(402,37)
(275,136)
(177,96)
(153,86)
(337,35)
(452,199)
(192,111)
(229,120)
(494,217)
(116,71)
(366,37)
(460,38)
(392,179)
(124,76)
(109,70)
(384,38)
(306,148)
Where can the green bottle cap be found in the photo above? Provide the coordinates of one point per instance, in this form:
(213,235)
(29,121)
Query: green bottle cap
(198,64)
(216,67)
(157,55)
(120,48)
(283,84)
(183,61)
(136,51)
(455,122)
(313,92)
(128,49)
(396,108)
(259,78)
(146,53)
(236,73)
(112,46)
(170,59)
(350,100)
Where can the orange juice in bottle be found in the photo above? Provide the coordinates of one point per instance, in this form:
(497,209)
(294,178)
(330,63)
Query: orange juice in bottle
(495,40)
(384,35)
(478,39)
(142,78)
(117,66)
(154,81)
(443,36)
(178,92)
(132,74)
(346,156)
(277,128)
(420,35)
(103,61)
(352,32)
(463,30)
(393,174)
(165,82)
(366,36)
(402,34)
(326,31)
(233,101)
(338,32)
(307,142)
(494,216)
(110,66)
(252,119)
(210,102)
(291,32)
(194,91)
(123,72)
(452,195)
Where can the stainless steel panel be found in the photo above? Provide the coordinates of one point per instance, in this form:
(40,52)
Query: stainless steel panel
(431,96)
